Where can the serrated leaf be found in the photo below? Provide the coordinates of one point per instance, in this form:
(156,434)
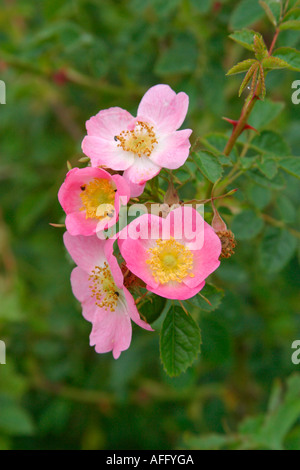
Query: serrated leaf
(179,341)
(245,38)
(260,48)
(264,112)
(270,63)
(278,182)
(208,164)
(289,55)
(276,249)
(252,73)
(152,307)
(245,13)
(268,167)
(247,225)
(241,67)
(211,293)
(272,9)
(291,165)
(291,20)
(270,142)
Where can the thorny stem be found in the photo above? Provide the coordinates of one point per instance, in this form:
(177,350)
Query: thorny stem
(247,108)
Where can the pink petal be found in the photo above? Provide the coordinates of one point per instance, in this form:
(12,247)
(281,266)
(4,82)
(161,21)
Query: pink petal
(111,332)
(78,224)
(176,290)
(108,123)
(89,309)
(70,190)
(161,104)
(135,189)
(173,150)
(141,170)
(133,311)
(123,189)
(113,263)
(87,252)
(106,152)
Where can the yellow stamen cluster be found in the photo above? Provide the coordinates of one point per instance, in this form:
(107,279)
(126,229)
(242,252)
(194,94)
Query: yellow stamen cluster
(103,288)
(98,199)
(140,140)
(170,261)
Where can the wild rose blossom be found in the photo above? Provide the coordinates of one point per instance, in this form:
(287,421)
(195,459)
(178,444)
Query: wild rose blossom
(91,198)
(175,267)
(140,146)
(97,282)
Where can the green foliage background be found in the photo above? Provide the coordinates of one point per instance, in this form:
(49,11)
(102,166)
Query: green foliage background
(62,62)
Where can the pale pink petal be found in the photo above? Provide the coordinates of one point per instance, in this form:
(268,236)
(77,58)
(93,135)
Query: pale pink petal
(107,153)
(89,309)
(108,123)
(135,189)
(113,263)
(172,150)
(133,311)
(161,104)
(111,331)
(80,284)
(141,170)
(87,252)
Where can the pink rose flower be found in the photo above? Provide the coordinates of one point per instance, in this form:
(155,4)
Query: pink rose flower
(97,282)
(173,256)
(143,145)
(91,198)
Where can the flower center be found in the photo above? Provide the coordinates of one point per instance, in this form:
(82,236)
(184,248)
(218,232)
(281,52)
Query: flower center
(141,140)
(98,199)
(103,288)
(170,261)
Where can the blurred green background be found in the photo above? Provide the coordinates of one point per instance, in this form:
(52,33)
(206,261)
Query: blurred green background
(62,62)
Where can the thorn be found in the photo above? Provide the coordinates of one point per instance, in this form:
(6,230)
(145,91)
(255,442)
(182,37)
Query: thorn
(247,126)
(57,225)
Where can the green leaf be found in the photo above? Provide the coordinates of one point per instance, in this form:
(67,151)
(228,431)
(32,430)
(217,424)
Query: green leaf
(208,164)
(246,13)
(270,142)
(270,63)
(245,38)
(216,142)
(210,441)
(291,20)
(252,73)
(210,292)
(241,67)
(272,9)
(151,307)
(278,182)
(268,166)
(289,55)
(260,48)
(259,196)
(276,249)
(291,165)
(264,112)
(179,341)
(286,209)
(247,225)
